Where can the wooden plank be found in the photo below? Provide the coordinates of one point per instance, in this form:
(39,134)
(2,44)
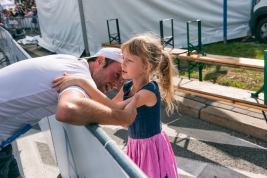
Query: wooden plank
(221,93)
(227,60)
(204,95)
(114,45)
(175,51)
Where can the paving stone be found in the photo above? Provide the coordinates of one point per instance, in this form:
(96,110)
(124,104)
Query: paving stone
(241,107)
(212,103)
(226,103)
(256,115)
(200,99)
(239,110)
(189,96)
(225,106)
(254,110)
(189,107)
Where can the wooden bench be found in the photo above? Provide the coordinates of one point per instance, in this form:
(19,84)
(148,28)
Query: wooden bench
(220,93)
(232,95)
(112,45)
(195,60)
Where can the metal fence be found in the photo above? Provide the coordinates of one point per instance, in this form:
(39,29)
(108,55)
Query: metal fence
(12,51)
(18,27)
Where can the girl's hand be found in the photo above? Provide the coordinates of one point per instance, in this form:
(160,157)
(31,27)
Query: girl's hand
(65,81)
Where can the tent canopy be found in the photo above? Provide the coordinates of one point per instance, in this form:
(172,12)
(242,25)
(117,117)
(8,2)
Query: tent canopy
(62,33)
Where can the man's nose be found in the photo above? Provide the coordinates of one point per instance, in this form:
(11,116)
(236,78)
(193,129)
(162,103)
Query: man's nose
(118,83)
(114,86)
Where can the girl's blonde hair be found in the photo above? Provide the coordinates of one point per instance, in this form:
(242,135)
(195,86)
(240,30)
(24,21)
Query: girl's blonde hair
(147,46)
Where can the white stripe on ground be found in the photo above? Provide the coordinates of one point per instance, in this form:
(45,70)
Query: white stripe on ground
(199,169)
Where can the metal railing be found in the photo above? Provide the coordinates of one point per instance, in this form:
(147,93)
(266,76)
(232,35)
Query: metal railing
(12,51)
(18,27)
(131,169)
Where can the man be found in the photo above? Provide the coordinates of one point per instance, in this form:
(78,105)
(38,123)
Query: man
(26,97)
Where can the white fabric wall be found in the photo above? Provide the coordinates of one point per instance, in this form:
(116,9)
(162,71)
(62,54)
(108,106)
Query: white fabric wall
(134,17)
(60,26)
(7,4)
(211,15)
(61,32)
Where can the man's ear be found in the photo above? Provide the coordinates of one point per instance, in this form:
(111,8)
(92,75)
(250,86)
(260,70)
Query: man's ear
(100,60)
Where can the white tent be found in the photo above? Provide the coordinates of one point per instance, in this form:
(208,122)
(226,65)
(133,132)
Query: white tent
(6,4)
(62,31)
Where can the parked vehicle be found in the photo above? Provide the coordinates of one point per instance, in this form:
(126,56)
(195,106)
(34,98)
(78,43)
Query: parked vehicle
(258,20)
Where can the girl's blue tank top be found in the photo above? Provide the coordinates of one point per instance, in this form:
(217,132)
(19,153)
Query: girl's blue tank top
(147,122)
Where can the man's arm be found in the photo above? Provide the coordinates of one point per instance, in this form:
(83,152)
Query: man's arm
(74,109)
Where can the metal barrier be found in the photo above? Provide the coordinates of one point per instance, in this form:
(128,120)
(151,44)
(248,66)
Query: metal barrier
(12,51)
(122,159)
(18,27)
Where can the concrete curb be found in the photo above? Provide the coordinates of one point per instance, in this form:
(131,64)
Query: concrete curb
(189,107)
(236,121)
(239,122)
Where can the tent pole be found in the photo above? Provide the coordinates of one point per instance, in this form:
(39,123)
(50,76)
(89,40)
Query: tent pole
(225,21)
(87,52)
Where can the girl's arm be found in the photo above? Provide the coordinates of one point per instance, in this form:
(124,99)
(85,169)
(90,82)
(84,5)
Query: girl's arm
(119,97)
(68,80)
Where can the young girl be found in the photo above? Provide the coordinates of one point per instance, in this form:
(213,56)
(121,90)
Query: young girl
(148,146)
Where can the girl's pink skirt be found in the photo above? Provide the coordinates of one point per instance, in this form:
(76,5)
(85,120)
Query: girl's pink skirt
(153,155)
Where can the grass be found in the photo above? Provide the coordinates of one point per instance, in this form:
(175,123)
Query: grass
(228,76)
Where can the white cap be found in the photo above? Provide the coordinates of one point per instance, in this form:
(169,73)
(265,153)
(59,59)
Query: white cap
(111,53)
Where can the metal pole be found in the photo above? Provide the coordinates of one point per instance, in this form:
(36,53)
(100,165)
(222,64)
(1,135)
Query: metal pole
(199,36)
(172,34)
(224,21)
(118,31)
(188,47)
(108,32)
(161,32)
(87,52)
(265,77)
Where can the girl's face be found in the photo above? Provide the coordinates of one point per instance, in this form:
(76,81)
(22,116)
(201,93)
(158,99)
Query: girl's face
(132,66)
